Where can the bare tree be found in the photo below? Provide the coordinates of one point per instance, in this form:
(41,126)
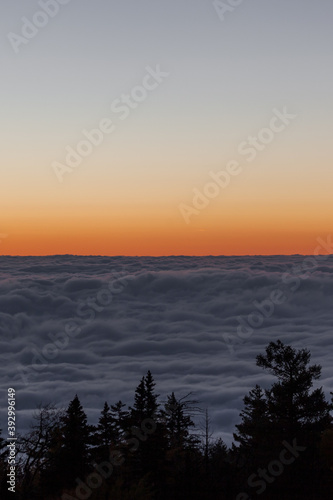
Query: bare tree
(34,446)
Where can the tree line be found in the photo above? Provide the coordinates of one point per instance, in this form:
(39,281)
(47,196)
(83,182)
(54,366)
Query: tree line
(156,450)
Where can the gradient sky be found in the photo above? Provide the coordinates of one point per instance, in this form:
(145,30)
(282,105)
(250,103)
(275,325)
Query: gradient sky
(225,79)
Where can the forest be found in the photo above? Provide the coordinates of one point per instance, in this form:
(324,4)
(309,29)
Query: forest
(157,450)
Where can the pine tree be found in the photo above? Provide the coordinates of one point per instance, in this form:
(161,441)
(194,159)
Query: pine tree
(151,397)
(183,458)
(120,419)
(138,412)
(145,400)
(221,473)
(76,441)
(147,431)
(178,421)
(291,405)
(255,421)
(105,434)
(287,412)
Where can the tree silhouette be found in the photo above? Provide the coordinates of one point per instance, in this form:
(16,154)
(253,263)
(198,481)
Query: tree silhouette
(178,421)
(145,400)
(120,419)
(138,412)
(287,412)
(147,430)
(290,402)
(184,461)
(76,440)
(105,434)
(35,448)
(254,419)
(160,455)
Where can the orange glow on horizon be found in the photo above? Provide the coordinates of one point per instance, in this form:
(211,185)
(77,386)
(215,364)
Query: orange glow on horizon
(230,229)
(156,242)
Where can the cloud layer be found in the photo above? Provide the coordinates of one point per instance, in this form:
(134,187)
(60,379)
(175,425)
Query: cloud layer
(95,325)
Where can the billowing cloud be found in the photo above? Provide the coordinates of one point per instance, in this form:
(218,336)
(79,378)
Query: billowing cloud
(95,325)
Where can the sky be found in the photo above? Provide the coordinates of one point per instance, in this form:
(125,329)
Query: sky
(180,90)
(95,325)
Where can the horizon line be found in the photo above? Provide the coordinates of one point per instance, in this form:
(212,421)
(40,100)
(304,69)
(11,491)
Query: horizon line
(169,255)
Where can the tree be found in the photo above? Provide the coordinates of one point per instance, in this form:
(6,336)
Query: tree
(207,436)
(35,446)
(105,434)
(183,458)
(70,448)
(290,402)
(77,439)
(138,411)
(151,397)
(147,431)
(287,412)
(145,400)
(120,419)
(326,456)
(256,424)
(178,414)
(221,473)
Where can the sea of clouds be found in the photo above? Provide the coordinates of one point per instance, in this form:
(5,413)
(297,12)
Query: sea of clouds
(95,325)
